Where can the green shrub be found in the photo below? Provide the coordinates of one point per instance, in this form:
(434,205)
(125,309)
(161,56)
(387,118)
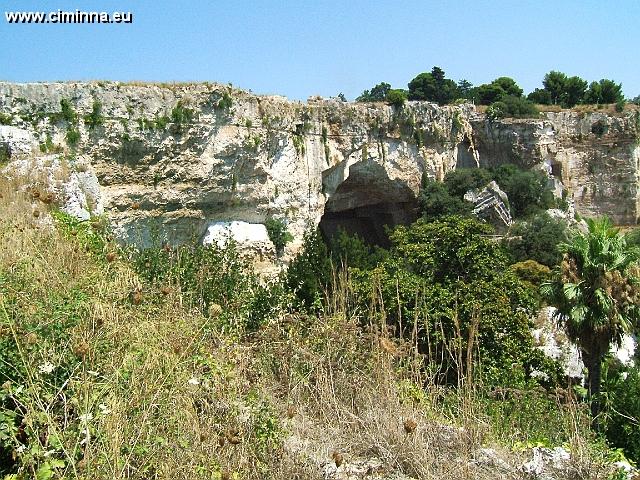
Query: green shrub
(449,284)
(353,252)
(309,274)
(225,102)
(68,113)
(4,155)
(377,93)
(511,106)
(95,118)
(537,239)
(210,278)
(72,136)
(278,233)
(6,119)
(436,201)
(622,420)
(396,97)
(181,115)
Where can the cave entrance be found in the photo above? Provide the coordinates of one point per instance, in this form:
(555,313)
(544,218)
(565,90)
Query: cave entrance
(366,203)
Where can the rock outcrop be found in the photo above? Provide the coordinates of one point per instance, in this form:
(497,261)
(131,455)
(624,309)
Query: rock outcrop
(179,159)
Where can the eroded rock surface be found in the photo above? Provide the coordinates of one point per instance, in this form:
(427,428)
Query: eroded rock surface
(176,159)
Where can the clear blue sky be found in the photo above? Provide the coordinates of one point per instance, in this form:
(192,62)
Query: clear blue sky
(301,48)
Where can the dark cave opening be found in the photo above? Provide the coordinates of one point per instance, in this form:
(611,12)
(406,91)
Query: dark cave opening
(368,222)
(366,203)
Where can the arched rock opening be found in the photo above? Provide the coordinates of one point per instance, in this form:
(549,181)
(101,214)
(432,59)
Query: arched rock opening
(367,202)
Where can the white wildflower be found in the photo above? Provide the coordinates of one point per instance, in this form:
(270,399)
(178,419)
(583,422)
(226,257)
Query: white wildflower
(104,410)
(87,417)
(46,367)
(193,381)
(540,375)
(21,448)
(93,372)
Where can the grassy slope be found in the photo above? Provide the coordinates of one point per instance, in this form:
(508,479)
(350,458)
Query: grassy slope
(105,382)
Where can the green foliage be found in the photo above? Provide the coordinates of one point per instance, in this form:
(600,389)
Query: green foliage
(537,238)
(527,190)
(72,136)
(511,106)
(461,180)
(377,93)
(489,93)
(4,155)
(596,296)
(225,102)
(449,283)
(6,119)
(436,200)
(604,91)
(353,252)
(278,233)
(540,96)
(181,115)
(465,89)
(68,113)
(622,424)
(309,274)
(95,118)
(396,97)
(532,272)
(433,87)
(298,144)
(212,278)
(48,146)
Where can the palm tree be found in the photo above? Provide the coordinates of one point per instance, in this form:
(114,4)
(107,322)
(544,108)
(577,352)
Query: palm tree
(595,291)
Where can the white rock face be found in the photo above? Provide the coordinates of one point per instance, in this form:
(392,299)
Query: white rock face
(251,236)
(251,157)
(17,141)
(554,343)
(74,188)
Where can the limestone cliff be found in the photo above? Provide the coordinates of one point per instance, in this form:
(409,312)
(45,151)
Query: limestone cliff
(177,159)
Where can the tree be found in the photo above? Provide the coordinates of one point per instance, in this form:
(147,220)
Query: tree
(537,239)
(508,86)
(433,87)
(396,97)
(465,89)
(512,106)
(489,93)
(309,274)
(554,83)
(527,190)
(436,201)
(595,291)
(604,91)
(377,93)
(540,96)
(574,90)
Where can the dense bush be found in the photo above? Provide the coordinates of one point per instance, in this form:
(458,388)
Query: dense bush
(528,190)
(278,233)
(436,200)
(396,97)
(512,106)
(212,279)
(537,239)
(309,274)
(434,87)
(447,284)
(95,118)
(622,425)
